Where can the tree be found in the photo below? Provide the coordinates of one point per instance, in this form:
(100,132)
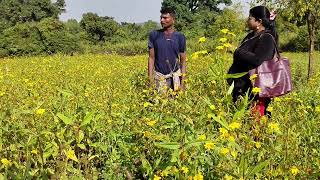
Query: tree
(99,28)
(56,37)
(308,10)
(187,9)
(21,11)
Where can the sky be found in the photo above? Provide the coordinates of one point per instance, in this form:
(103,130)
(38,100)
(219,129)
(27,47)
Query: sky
(137,11)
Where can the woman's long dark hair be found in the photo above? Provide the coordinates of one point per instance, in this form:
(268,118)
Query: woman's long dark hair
(263,13)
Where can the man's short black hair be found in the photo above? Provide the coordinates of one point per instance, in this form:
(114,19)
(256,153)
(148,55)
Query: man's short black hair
(168,10)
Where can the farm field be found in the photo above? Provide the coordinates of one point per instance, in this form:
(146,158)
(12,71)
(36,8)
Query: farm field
(93,117)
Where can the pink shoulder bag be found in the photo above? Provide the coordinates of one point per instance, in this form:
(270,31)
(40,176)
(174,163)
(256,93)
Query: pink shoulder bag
(273,76)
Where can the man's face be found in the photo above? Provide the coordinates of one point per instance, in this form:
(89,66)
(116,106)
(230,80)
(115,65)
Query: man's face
(166,20)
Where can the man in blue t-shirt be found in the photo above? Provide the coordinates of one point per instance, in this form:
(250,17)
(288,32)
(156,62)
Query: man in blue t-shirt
(167,54)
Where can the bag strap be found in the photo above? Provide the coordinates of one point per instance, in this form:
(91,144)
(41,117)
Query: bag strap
(275,44)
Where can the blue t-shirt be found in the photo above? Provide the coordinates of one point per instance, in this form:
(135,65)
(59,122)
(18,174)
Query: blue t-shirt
(167,50)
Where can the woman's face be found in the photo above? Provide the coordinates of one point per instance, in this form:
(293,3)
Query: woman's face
(252,23)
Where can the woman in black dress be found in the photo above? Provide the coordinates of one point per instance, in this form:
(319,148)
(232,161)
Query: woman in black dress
(258,46)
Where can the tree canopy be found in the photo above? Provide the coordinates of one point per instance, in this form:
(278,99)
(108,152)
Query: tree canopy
(21,11)
(187,9)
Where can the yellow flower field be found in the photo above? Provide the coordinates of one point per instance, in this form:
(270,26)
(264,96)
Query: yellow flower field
(94,117)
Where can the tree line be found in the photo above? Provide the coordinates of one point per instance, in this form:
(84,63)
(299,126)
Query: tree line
(32,27)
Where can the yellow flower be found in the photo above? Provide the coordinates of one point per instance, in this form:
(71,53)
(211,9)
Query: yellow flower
(209,145)
(294,170)
(34,152)
(164,173)
(224,31)
(6,162)
(235,125)
(277,99)
(273,127)
(210,116)
(184,169)
(232,139)
(256,90)
(258,145)
(227,177)
(202,40)
(253,77)
(219,47)
(203,52)
(198,176)
(146,134)
(227,45)
(195,56)
(71,155)
(234,154)
(223,40)
(270,108)
(224,151)
(40,112)
(212,107)
(202,137)
(2,93)
(155,177)
(147,104)
(151,123)
(223,132)
(317,109)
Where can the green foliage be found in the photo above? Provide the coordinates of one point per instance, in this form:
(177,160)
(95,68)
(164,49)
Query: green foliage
(46,37)
(99,28)
(229,18)
(187,9)
(100,121)
(22,39)
(134,32)
(14,11)
(297,41)
(56,38)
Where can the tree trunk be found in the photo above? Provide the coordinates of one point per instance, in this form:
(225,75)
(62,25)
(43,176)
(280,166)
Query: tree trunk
(311,30)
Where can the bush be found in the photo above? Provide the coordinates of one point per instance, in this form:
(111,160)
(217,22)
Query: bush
(56,38)
(228,19)
(22,39)
(300,42)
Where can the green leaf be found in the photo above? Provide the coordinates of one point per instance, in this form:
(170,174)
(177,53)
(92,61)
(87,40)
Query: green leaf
(230,89)
(92,157)
(146,165)
(194,144)
(258,168)
(158,161)
(168,145)
(81,146)
(65,119)
(175,156)
(221,121)
(242,165)
(87,119)
(239,114)
(236,75)
(80,136)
